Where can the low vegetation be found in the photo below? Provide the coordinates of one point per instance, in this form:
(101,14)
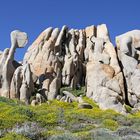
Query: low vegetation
(60,120)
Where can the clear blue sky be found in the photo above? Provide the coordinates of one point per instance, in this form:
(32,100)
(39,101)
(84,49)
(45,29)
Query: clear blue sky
(33,16)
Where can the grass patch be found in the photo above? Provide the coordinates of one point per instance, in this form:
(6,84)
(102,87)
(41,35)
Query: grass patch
(128,108)
(83,135)
(14,136)
(110,124)
(50,133)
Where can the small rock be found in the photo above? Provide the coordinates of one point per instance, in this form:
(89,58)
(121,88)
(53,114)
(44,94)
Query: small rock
(85,105)
(48,102)
(58,97)
(80,100)
(34,103)
(70,95)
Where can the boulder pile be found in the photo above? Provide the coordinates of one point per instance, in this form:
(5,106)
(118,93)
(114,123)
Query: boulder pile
(74,58)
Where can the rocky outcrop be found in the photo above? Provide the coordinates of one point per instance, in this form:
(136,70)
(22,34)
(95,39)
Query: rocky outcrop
(7,65)
(74,58)
(104,78)
(44,57)
(56,57)
(128,46)
(22,84)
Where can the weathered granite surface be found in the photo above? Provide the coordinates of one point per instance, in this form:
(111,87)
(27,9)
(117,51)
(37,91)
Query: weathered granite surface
(74,58)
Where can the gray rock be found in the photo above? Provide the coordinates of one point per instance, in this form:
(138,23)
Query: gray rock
(34,103)
(128,51)
(43,57)
(103,77)
(102,32)
(84,106)
(58,97)
(18,40)
(40,99)
(70,95)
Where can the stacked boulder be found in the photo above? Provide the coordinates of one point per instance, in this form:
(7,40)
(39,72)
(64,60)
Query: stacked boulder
(15,80)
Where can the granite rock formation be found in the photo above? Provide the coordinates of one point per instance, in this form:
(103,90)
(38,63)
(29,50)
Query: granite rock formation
(128,49)
(74,58)
(7,63)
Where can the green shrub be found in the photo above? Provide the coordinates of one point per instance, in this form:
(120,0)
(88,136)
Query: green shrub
(128,108)
(104,134)
(90,101)
(14,136)
(53,132)
(25,111)
(110,124)
(65,136)
(10,102)
(8,118)
(75,92)
(83,135)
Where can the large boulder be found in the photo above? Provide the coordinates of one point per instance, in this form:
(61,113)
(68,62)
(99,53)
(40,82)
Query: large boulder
(104,79)
(128,48)
(22,84)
